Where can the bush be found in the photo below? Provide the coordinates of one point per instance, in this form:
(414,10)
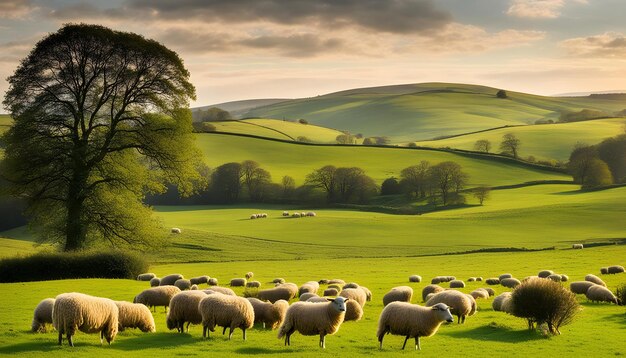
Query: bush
(544,301)
(620,293)
(58,266)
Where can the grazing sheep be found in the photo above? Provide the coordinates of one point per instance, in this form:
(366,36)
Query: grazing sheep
(580,287)
(405,319)
(323,281)
(253,284)
(311,213)
(263,215)
(368,293)
(171,279)
(295,215)
(311,319)
(457,284)
(199,280)
(336,281)
(278,280)
(350,285)
(303,214)
(505,275)
(238,282)
(356,294)
(400,293)
(134,315)
(499,300)
(474,304)
(249,275)
(223,290)
(176,230)
(493,281)
(479,279)
(354,311)
(604,270)
(428,296)
(183,284)
(336,287)
(331,292)
(460,303)
(577,246)
(554,277)
(564,278)
(270,315)
(305,296)
(157,296)
(430,289)
(598,293)
(275,294)
(471,279)
(292,287)
(226,311)
(184,309)
(615,269)
(309,287)
(194,287)
(285,213)
(436,280)
(77,311)
(212,281)
(595,279)
(415,278)
(253,216)
(146,277)
(42,315)
(510,282)
(489,290)
(155,282)
(318,299)
(545,273)
(479,293)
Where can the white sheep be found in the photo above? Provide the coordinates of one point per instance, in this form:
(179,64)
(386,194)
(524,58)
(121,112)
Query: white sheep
(354,311)
(77,311)
(145,277)
(311,214)
(430,289)
(199,280)
(270,315)
(169,280)
(238,282)
(356,294)
(457,284)
(415,278)
(42,315)
(400,293)
(176,230)
(311,319)
(577,246)
(275,294)
(249,275)
(285,213)
(278,280)
(309,287)
(615,269)
(212,281)
(500,302)
(253,284)
(331,292)
(368,293)
(580,287)
(183,284)
(511,282)
(155,281)
(504,275)
(479,293)
(405,319)
(604,270)
(555,277)
(595,279)
(184,309)
(460,303)
(295,215)
(597,293)
(305,296)
(157,296)
(350,285)
(336,281)
(226,311)
(545,273)
(489,290)
(194,287)
(253,216)
(134,315)
(223,290)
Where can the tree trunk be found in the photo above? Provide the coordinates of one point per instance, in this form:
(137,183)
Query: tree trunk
(76,232)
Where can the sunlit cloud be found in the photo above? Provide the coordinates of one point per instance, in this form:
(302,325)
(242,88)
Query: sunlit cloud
(539,9)
(609,44)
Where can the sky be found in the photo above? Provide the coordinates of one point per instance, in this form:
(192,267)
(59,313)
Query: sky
(248,49)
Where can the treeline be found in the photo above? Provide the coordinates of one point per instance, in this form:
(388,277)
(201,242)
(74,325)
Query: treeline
(599,165)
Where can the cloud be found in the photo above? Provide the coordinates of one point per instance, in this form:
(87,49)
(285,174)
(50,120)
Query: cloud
(607,45)
(13,9)
(539,9)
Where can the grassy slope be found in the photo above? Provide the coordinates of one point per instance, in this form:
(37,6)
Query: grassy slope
(278,129)
(545,142)
(428,110)
(379,163)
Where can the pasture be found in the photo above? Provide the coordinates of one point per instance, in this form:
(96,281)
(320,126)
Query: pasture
(278,129)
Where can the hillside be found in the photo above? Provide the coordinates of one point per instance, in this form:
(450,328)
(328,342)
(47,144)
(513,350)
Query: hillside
(428,110)
(237,108)
(278,129)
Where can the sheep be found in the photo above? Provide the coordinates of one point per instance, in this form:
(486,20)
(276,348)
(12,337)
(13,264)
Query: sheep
(436,280)
(493,281)
(305,296)
(318,299)
(155,282)
(471,279)
(499,300)
(212,281)
(457,284)
(249,275)
(580,287)
(42,315)
(157,296)
(597,293)
(505,275)
(479,293)
(311,214)
(507,305)
(295,215)
(313,318)
(271,315)
(275,294)
(238,282)
(510,282)
(545,273)
(368,293)
(460,303)
(336,281)
(77,311)
(323,281)
(336,287)
(577,246)
(134,315)
(331,292)
(354,311)
(604,270)
(489,290)
(430,289)
(554,277)
(356,294)
(350,285)
(263,215)
(285,213)
(199,280)
(292,287)
(183,284)
(415,278)
(564,278)
(253,284)
(474,304)
(615,269)
(400,293)
(194,287)
(184,309)
(171,279)
(303,214)
(253,216)
(595,279)
(309,287)
(176,230)
(405,319)
(479,279)
(223,290)
(226,311)
(278,280)
(146,277)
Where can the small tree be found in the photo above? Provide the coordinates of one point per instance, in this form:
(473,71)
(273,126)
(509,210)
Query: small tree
(502,94)
(325,179)
(481,193)
(587,169)
(482,145)
(390,186)
(303,121)
(447,177)
(288,185)
(346,138)
(599,175)
(510,145)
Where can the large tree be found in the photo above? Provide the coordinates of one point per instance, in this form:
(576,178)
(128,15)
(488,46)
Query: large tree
(415,179)
(100,119)
(447,178)
(510,144)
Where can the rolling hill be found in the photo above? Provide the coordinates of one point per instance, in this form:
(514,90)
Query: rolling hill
(237,108)
(278,129)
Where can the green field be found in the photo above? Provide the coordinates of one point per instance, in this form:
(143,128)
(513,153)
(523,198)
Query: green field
(278,129)
(424,111)
(544,142)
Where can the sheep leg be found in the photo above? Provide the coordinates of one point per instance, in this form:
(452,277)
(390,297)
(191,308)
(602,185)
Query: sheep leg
(380,340)
(69,340)
(60,337)
(224,331)
(323,341)
(417,343)
(462,319)
(101,337)
(244,334)
(187,330)
(230,332)
(459,319)
(404,345)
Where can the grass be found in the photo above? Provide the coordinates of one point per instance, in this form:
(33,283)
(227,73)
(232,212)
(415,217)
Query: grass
(278,129)
(544,142)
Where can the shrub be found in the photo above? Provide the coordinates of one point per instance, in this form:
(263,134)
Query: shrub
(58,266)
(620,293)
(544,301)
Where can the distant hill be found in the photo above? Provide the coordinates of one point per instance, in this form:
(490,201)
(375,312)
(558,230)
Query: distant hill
(237,108)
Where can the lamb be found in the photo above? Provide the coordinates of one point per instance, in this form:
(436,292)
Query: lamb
(499,300)
(331,292)
(134,315)
(405,319)
(460,303)
(305,296)
(146,277)
(42,315)
(303,214)
(223,290)
(505,275)
(354,311)
(350,285)
(598,293)
(457,284)
(155,282)
(275,294)
(249,275)
(184,309)
(615,269)
(595,279)
(313,318)
(580,287)
(226,311)
(176,230)
(309,287)
(157,296)
(253,284)
(270,315)
(368,293)
(183,284)
(545,273)
(577,246)
(479,293)
(238,282)
(171,279)
(212,281)
(400,293)
(356,294)
(604,270)
(493,281)
(199,280)
(510,282)
(415,278)
(77,311)
(430,289)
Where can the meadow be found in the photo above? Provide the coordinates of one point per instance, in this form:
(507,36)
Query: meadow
(278,129)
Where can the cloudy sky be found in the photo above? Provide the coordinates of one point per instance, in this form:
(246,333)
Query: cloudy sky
(244,49)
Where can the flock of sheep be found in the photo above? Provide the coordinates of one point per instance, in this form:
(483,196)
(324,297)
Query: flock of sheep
(186,304)
(286,214)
